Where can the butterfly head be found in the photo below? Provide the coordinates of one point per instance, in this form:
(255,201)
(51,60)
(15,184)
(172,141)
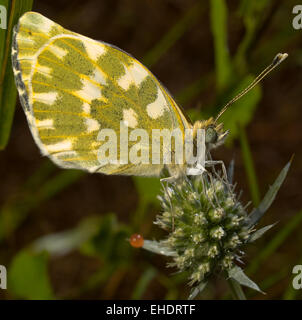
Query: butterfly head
(214,133)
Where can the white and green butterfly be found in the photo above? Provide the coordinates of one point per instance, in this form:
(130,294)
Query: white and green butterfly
(71,86)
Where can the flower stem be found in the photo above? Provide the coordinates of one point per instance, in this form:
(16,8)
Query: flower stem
(236,289)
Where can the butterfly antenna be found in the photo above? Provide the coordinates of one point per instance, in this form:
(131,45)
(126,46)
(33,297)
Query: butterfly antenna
(276,61)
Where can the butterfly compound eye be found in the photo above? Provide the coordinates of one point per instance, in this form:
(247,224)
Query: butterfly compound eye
(211,135)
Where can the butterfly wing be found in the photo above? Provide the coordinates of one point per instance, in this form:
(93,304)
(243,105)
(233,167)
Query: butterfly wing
(71,87)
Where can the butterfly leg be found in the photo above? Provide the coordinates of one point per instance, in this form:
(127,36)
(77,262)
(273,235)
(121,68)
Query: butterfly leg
(213,163)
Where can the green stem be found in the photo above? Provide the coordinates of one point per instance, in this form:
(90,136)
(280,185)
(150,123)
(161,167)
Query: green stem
(236,289)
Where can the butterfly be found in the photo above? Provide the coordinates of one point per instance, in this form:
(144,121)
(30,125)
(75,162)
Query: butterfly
(71,87)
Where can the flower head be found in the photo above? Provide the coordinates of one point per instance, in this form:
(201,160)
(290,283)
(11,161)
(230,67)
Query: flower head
(208,226)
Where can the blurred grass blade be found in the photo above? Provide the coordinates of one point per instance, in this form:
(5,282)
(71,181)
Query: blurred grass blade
(219,30)
(175,33)
(275,243)
(270,196)
(8,92)
(249,166)
(274,279)
(40,176)
(143,283)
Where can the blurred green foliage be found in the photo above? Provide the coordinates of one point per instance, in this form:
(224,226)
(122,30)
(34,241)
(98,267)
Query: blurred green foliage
(28,276)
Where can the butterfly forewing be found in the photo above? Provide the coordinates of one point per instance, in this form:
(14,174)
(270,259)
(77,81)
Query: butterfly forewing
(71,87)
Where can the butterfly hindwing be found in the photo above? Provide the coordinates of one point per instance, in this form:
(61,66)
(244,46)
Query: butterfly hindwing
(71,87)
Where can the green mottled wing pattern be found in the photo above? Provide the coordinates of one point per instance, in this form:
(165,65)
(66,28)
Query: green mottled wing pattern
(71,87)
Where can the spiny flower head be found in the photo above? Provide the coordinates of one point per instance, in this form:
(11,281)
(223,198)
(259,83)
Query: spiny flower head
(207,225)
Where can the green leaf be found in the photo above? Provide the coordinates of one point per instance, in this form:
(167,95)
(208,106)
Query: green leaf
(28,276)
(219,31)
(241,112)
(197,290)
(237,274)
(8,92)
(257,213)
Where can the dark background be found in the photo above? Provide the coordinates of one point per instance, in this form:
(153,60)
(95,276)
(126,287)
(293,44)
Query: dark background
(46,200)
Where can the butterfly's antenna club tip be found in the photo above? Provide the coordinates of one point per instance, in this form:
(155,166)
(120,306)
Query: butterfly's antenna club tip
(279,58)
